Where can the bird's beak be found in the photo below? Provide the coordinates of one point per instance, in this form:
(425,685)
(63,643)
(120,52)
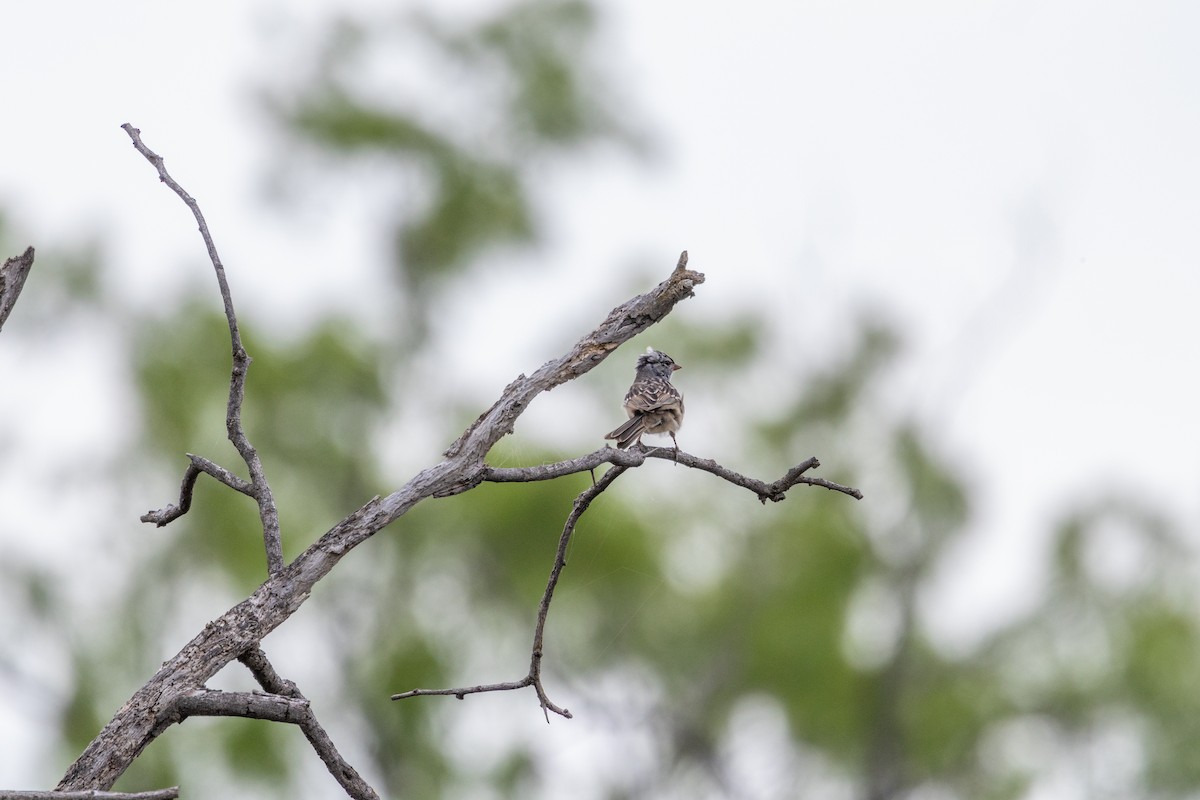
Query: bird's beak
(675,367)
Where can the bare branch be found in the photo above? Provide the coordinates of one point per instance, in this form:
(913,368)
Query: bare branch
(534,678)
(636,456)
(198,465)
(267,511)
(178,690)
(91,794)
(12,281)
(264,672)
(622,460)
(463,691)
(252,705)
(772,491)
(246,624)
(581,504)
(256,661)
(239,631)
(221,474)
(283,702)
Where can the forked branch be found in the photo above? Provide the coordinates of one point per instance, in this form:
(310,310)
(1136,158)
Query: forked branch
(534,676)
(178,687)
(261,490)
(198,465)
(240,629)
(621,460)
(636,456)
(256,661)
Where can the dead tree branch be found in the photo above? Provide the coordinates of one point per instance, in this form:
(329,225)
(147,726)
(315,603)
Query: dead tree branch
(12,281)
(283,702)
(241,628)
(636,456)
(251,705)
(621,460)
(198,465)
(775,492)
(267,511)
(534,677)
(158,794)
(178,688)
(256,661)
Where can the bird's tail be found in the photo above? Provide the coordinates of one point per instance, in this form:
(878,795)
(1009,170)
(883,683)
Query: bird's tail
(628,433)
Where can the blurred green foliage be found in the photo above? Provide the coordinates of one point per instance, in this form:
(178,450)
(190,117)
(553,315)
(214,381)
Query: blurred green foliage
(812,607)
(532,87)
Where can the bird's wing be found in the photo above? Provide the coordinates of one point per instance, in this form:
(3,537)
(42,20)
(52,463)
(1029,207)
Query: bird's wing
(652,394)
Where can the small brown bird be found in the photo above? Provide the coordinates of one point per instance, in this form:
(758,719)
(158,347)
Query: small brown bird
(652,403)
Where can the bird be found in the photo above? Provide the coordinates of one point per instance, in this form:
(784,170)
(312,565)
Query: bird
(652,403)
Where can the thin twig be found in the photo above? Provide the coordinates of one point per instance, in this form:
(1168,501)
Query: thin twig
(198,465)
(462,691)
(267,511)
(12,279)
(775,492)
(581,504)
(534,678)
(256,661)
(636,456)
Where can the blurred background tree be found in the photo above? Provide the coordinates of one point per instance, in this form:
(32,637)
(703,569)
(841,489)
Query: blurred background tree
(708,646)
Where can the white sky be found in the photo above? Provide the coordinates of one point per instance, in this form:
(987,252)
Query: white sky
(1015,183)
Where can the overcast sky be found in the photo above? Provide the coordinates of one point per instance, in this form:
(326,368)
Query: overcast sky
(1015,184)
